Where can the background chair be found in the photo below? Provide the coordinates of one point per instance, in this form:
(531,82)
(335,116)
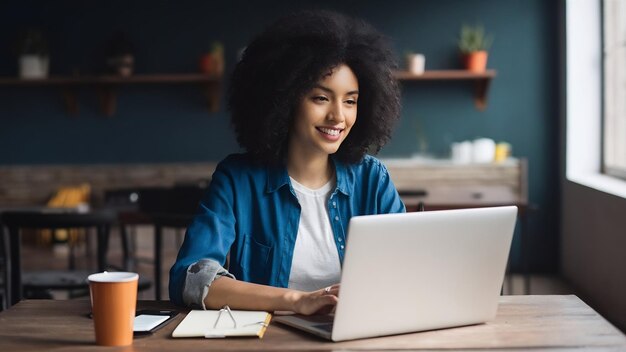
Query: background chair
(161,221)
(161,207)
(36,284)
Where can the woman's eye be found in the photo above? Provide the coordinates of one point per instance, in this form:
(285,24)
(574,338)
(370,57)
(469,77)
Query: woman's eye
(351,101)
(320,98)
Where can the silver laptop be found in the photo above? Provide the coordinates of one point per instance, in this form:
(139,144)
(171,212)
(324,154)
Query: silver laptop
(417,271)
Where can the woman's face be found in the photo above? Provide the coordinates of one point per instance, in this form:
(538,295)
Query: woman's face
(325,114)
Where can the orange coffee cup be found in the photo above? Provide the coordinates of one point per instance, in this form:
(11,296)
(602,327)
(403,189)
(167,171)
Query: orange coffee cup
(113,302)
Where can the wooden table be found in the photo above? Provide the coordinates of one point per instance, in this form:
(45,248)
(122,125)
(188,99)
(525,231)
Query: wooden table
(555,323)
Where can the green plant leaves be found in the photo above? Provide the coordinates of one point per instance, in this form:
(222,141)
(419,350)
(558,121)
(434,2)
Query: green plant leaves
(473,38)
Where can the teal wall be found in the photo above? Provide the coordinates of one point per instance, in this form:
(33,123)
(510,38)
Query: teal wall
(167,124)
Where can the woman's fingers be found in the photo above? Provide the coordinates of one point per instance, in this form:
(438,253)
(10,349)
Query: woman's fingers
(325,304)
(317,302)
(328,305)
(332,290)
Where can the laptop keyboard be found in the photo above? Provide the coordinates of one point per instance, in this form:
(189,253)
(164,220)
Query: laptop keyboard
(317,319)
(321,322)
(328,327)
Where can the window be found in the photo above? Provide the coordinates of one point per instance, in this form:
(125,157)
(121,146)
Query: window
(614,59)
(584,103)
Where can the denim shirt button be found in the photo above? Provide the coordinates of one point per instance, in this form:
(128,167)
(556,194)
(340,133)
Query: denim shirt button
(336,218)
(339,239)
(341,246)
(334,204)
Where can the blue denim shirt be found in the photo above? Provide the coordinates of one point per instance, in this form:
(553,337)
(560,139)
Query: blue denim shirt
(252,212)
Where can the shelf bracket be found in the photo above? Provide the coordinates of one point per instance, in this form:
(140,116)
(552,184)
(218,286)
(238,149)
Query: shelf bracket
(212,92)
(480,93)
(107,97)
(71,103)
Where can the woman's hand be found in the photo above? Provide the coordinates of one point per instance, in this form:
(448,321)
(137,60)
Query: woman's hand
(317,302)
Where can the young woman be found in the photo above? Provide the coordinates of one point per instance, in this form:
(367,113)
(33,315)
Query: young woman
(311,96)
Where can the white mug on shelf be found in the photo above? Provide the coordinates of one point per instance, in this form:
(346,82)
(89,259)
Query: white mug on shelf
(483,150)
(415,63)
(462,152)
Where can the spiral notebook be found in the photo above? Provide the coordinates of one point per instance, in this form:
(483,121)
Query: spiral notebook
(223,323)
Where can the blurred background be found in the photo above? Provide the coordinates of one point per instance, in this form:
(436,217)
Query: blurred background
(132,102)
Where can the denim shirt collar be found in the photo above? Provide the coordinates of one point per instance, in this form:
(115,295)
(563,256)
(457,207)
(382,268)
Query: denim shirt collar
(278,177)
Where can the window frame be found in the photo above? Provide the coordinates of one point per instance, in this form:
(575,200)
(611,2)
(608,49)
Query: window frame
(607,95)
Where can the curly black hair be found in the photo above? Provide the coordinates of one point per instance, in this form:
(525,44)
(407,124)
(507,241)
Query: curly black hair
(285,62)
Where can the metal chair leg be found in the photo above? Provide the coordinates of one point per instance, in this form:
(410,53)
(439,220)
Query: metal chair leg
(15,260)
(158,239)
(126,252)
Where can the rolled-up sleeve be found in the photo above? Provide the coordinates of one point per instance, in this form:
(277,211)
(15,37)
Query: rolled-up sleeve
(200,275)
(208,239)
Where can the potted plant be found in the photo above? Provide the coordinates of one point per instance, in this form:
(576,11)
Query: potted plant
(474,44)
(33,55)
(212,63)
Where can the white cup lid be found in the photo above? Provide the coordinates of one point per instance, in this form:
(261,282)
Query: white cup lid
(117,276)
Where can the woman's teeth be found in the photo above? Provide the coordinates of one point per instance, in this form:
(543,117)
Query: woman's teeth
(330,131)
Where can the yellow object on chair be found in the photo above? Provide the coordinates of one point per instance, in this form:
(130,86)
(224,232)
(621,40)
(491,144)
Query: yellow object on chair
(70,197)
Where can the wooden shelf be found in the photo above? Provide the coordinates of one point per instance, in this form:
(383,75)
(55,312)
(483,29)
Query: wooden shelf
(106,87)
(481,81)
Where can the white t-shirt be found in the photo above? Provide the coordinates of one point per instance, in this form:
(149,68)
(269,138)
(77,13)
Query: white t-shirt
(315,263)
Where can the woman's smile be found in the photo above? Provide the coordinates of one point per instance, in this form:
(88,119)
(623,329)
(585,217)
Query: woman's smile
(330,133)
